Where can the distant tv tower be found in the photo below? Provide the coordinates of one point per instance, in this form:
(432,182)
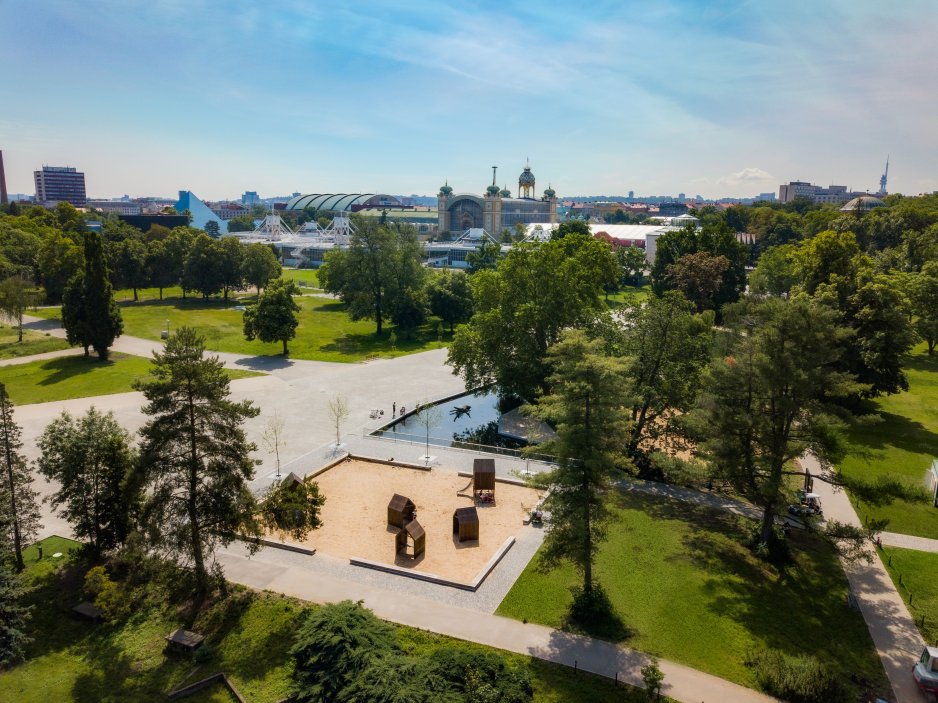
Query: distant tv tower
(882,179)
(3,183)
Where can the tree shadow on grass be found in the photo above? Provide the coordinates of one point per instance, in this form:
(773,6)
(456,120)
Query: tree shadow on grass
(891,430)
(67,367)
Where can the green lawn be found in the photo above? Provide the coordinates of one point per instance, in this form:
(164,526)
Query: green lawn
(303,277)
(33,343)
(919,581)
(686,589)
(902,445)
(78,377)
(325,332)
(248,636)
(628,296)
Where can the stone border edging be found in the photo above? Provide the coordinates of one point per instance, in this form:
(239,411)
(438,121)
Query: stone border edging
(288,546)
(439,580)
(498,479)
(194,688)
(386,462)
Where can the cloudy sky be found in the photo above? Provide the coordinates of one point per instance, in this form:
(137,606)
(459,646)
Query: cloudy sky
(716,98)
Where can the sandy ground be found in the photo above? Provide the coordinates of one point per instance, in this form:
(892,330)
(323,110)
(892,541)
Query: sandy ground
(355,517)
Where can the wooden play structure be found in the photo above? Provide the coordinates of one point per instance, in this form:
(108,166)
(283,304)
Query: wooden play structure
(414,532)
(401,510)
(466,524)
(483,480)
(291,481)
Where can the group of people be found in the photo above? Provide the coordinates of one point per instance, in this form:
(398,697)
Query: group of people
(394,410)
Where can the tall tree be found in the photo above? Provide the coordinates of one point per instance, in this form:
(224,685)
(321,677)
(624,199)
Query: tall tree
(195,457)
(59,258)
(274,317)
(450,297)
(162,268)
(538,290)
(230,262)
(372,274)
(666,348)
(586,404)
(19,504)
(925,304)
(699,276)
(202,269)
(16,295)
(260,265)
(775,272)
(485,257)
(129,263)
(91,459)
(102,316)
(212,229)
(632,265)
(74,314)
(771,398)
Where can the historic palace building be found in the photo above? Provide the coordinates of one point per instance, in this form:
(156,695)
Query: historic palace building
(496,211)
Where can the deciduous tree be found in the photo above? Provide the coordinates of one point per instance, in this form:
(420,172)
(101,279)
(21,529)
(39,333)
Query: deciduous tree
(260,265)
(16,295)
(91,459)
(202,270)
(699,276)
(274,317)
(925,304)
(450,297)
(195,457)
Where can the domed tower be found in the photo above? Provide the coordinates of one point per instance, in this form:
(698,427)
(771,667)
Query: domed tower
(442,207)
(504,192)
(526,183)
(550,195)
(492,212)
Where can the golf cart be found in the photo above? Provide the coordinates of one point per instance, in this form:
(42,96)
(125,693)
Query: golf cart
(810,505)
(925,671)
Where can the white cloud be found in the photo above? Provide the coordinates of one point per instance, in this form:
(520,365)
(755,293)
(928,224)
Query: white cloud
(751,175)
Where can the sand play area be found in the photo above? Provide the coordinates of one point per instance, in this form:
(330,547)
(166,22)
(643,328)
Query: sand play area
(356,510)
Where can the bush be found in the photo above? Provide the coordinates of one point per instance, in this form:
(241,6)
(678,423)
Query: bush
(480,676)
(108,595)
(334,646)
(798,679)
(776,551)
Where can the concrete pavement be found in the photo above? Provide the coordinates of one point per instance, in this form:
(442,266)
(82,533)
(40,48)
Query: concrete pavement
(892,628)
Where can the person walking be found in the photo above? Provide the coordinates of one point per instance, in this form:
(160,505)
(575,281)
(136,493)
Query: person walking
(394,408)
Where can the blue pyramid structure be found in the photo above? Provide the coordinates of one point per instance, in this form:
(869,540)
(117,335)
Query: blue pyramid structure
(201,213)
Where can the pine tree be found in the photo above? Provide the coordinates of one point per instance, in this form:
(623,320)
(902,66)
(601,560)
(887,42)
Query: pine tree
(74,315)
(19,504)
(195,459)
(13,618)
(102,316)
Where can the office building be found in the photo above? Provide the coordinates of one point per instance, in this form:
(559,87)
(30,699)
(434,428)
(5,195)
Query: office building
(816,194)
(57,184)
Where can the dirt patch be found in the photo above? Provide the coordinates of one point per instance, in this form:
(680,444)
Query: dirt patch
(355,517)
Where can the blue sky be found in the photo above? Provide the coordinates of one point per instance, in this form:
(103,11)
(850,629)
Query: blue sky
(716,98)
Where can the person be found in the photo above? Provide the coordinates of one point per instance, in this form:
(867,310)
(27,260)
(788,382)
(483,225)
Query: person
(394,408)
(402,411)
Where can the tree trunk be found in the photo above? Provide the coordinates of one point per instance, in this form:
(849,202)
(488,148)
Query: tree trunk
(226,294)
(285,346)
(17,542)
(201,577)
(86,349)
(768,524)
(135,295)
(20,329)
(161,293)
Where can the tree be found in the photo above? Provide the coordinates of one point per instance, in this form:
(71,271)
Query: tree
(19,504)
(925,304)
(538,290)
(241,223)
(775,272)
(213,229)
(410,310)
(274,317)
(162,268)
(666,348)
(102,317)
(202,270)
(632,265)
(230,261)
(91,459)
(372,274)
(272,437)
(260,265)
(428,416)
(74,313)
(450,297)
(338,413)
(586,406)
(831,258)
(572,227)
(333,646)
(16,296)
(59,259)
(699,276)
(195,457)
(485,257)
(14,619)
(130,264)
(293,508)
(770,398)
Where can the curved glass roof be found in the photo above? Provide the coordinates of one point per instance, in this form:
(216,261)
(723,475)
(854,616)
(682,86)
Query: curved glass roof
(340,201)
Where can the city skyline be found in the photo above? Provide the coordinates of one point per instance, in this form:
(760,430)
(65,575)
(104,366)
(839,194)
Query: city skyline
(152,98)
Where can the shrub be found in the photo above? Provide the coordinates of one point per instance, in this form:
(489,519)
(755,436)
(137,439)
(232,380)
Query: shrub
(652,676)
(334,646)
(480,676)
(108,595)
(798,679)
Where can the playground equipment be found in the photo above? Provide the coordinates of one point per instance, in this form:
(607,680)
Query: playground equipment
(466,524)
(401,510)
(412,531)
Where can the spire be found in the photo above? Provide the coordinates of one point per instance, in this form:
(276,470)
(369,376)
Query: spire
(3,182)
(884,177)
(494,169)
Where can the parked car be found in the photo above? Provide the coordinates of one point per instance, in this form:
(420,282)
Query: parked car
(925,671)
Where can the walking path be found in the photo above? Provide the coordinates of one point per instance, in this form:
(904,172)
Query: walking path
(16,360)
(922,544)
(892,628)
(268,570)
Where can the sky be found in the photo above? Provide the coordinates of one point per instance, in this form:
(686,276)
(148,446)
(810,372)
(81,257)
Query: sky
(718,98)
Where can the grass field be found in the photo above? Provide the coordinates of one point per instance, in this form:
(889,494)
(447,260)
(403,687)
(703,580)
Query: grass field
(33,343)
(248,636)
(629,295)
(915,575)
(325,332)
(78,377)
(902,445)
(685,588)
(303,277)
